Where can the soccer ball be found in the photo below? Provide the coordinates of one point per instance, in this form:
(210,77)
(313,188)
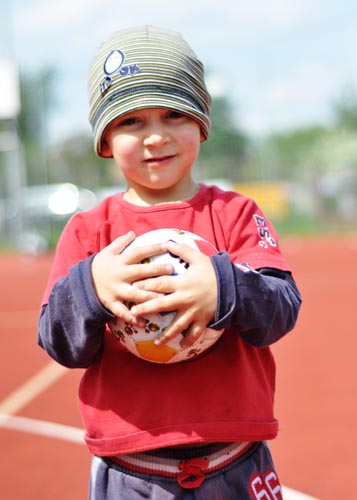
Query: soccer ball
(140,341)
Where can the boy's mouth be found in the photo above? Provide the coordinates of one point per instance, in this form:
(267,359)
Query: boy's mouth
(158,160)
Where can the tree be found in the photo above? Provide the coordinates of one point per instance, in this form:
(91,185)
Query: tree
(345,110)
(75,159)
(37,100)
(283,154)
(226,150)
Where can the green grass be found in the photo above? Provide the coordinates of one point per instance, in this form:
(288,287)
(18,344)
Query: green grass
(307,225)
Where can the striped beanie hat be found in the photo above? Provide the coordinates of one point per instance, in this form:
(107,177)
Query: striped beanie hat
(145,67)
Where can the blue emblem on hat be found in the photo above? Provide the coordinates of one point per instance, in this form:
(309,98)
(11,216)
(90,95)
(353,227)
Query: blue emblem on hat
(113,62)
(113,65)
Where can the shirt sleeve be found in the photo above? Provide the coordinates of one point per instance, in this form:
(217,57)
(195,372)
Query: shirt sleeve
(76,243)
(250,236)
(260,305)
(72,323)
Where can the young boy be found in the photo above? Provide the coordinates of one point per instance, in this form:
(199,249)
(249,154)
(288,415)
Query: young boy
(189,430)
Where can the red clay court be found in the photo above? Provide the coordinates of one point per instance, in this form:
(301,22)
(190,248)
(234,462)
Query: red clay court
(44,457)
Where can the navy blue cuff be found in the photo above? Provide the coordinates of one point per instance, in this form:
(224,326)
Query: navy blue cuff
(226,290)
(80,277)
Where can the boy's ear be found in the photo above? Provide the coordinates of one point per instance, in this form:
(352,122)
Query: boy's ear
(106,149)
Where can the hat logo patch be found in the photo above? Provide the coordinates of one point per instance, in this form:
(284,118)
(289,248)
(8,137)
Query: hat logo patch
(114,65)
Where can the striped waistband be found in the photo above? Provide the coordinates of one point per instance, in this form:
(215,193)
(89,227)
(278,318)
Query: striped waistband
(189,472)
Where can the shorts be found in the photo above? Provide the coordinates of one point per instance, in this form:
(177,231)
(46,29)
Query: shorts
(251,476)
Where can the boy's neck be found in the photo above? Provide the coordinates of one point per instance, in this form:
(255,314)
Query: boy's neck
(150,197)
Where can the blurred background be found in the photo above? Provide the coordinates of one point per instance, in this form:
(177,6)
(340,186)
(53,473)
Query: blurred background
(283,78)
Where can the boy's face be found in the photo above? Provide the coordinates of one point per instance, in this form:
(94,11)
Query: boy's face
(155,148)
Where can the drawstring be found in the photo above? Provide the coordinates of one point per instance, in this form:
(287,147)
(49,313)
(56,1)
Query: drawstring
(189,469)
(192,475)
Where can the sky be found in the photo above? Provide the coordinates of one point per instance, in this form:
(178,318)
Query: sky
(282,63)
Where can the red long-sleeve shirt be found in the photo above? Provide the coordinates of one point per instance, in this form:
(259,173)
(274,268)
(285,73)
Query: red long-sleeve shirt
(131,405)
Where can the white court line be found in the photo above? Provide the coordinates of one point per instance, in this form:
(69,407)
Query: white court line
(42,428)
(290,494)
(36,384)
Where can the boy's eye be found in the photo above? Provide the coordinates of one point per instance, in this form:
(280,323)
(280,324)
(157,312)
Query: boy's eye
(174,115)
(128,121)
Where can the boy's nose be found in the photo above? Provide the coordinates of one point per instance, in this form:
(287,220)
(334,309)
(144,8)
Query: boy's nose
(154,140)
(156,136)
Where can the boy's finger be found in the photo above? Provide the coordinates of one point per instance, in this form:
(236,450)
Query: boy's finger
(139,254)
(169,334)
(182,250)
(141,272)
(160,304)
(121,311)
(120,243)
(195,332)
(162,284)
(192,332)
(137,296)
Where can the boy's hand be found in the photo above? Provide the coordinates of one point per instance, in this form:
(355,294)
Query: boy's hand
(113,273)
(192,294)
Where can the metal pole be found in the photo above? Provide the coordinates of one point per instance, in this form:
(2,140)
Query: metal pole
(14,180)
